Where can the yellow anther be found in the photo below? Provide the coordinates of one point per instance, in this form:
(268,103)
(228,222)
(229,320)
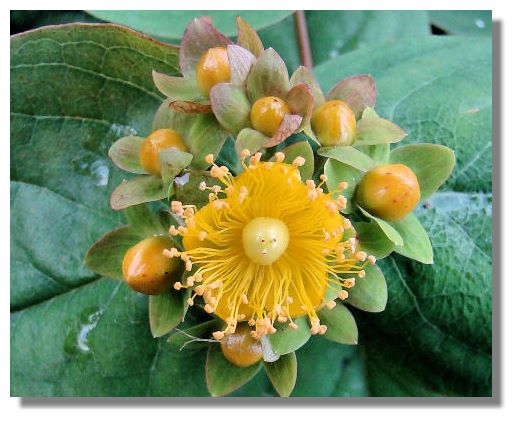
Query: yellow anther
(361,256)
(218,335)
(322,330)
(343,186)
(298,161)
(208,309)
(198,277)
(331,304)
(256,158)
(202,235)
(343,294)
(168,253)
(282,319)
(244,299)
(212,196)
(188,265)
(216,188)
(209,158)
(190,281)
(323,178)
(312,194)
(215,171)
(341,201)
(200,290)
(173,231)
(269,165)
(293,326)
(279,156)
(190,301)
(289,300)
(311,184)
(245,153)
(372,259)
(202,186)
(361,274)
(177,285)
(349,282)
(184,257)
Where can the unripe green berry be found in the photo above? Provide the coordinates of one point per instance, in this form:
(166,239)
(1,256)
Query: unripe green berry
(146,269)
(240,348)
(267,114)
(334,123)
(157,141)
(390,191)
(213,68)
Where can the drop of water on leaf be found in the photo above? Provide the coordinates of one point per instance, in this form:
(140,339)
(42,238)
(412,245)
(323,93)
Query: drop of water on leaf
(85,329)
(100,172)
(121,130)
(91,165)
(480,23)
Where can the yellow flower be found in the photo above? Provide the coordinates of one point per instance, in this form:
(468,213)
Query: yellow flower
(266,247)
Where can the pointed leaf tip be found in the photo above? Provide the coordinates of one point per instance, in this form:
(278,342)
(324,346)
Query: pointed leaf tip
(248,38)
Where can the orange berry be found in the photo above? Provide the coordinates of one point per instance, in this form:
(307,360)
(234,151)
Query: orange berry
(213,68)
(146,269)
(390,191)
(267,114)
(334,123)
(240,348)
(158,141)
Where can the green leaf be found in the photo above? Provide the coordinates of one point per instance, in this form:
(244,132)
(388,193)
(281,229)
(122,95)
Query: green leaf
(205,137)
(144,221)
(222,376)
(373,240)
(322,365)
(282,374)
(158,22)
(416,245)
(177,87)
(389,231)
(287,340)
(432,164)
(338,172)
(194,337)
(376,130)
(348,155)
(340,322)
(166,311)
(268,77)
(125,153)
(463,22)
(250,139)
(304,150)
(231,106)
(335,32)
(369,293)
(137,191)
(106,255)
(172,162)
(378,153)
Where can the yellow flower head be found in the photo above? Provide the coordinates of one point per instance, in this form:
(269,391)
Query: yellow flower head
(266,247)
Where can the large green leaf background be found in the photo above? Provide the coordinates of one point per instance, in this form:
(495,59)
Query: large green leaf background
(76,89)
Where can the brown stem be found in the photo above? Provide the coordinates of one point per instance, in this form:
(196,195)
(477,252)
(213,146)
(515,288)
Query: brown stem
(302,36)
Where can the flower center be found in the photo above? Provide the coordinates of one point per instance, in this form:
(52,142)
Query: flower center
(265,240)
